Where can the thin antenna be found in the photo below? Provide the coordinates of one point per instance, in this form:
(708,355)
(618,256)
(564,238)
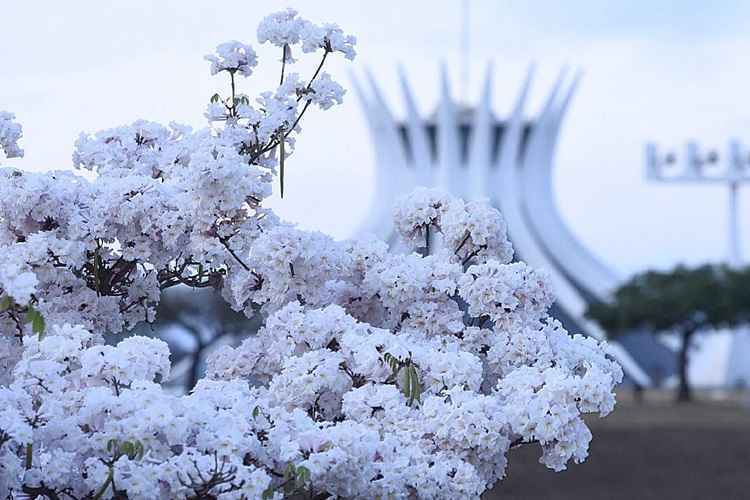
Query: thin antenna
(464,92)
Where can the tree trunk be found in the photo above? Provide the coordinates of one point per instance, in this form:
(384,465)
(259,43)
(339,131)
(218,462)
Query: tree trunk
(638,393)
(684,394)
(193,373)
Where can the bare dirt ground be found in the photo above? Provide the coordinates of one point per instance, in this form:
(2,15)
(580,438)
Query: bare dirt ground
(657,450)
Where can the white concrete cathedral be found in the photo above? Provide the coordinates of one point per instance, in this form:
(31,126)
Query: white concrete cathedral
(473,154)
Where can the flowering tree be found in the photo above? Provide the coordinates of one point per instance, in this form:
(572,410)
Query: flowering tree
(375,375)
(683,301)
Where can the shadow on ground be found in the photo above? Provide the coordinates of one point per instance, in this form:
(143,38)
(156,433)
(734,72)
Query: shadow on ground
(655,451)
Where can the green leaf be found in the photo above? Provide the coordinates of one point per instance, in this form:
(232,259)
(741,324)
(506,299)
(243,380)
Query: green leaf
(139,450)
(303,472)
(127,448)
(6,302)
(303,475)
(393,362)
(268,493)
(410,386)
(37,324)
(131,449)
(416,387)
(290,471)
(256,411)
(215,98)
(36,319)
(405,381)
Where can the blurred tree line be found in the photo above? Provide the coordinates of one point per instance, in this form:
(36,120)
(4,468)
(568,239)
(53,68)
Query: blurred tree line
(684,301)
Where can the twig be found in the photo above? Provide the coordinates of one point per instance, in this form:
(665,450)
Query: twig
(463,242)
(283,62)
(226,245)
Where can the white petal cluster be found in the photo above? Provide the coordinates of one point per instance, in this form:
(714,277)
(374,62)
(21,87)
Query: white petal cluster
(332,38)
(376,374)
(166,205)
(326,92)
(281,28)
(16,276)
(416,212)
(234,57)
(143,148)
(10,134)
(474,231)
(506,293)
(279,114)
(135,358)
(285,29)
(98,253)
(404,283)
(87,419)
(477,230)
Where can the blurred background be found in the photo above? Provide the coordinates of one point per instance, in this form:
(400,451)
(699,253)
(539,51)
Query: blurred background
(669,72)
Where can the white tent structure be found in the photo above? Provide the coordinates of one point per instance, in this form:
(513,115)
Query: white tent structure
(473,154)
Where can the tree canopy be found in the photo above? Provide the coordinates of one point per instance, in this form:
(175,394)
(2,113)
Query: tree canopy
(682,300)
(709,296)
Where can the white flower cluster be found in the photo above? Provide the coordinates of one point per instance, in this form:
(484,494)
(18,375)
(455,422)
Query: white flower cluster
(415,213)
(234,57)
(325,92)
(10,134)
(375,375)
(275,115)
(91,418)
(474,231)
(505,293)
(285,29)
(167,206)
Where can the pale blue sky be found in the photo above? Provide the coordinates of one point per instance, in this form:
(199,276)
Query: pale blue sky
(661,70)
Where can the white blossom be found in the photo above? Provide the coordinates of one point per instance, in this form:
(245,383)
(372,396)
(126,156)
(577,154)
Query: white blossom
(326,92)
(328,37)
(10,134)
(216,112)
(413,214)
(374,375)
(476,232)
(235,57)
(285,29)
(281,28)
(505,292)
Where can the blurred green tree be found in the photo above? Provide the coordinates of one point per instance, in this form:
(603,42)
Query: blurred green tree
(193,322)
(683,301)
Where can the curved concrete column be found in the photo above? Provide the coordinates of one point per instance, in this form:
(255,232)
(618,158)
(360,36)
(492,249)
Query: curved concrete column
(479,161)
(541,210)
(449,175)
(418,142)
(392,175)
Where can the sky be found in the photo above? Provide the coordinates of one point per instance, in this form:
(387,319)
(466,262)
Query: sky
(663,71)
